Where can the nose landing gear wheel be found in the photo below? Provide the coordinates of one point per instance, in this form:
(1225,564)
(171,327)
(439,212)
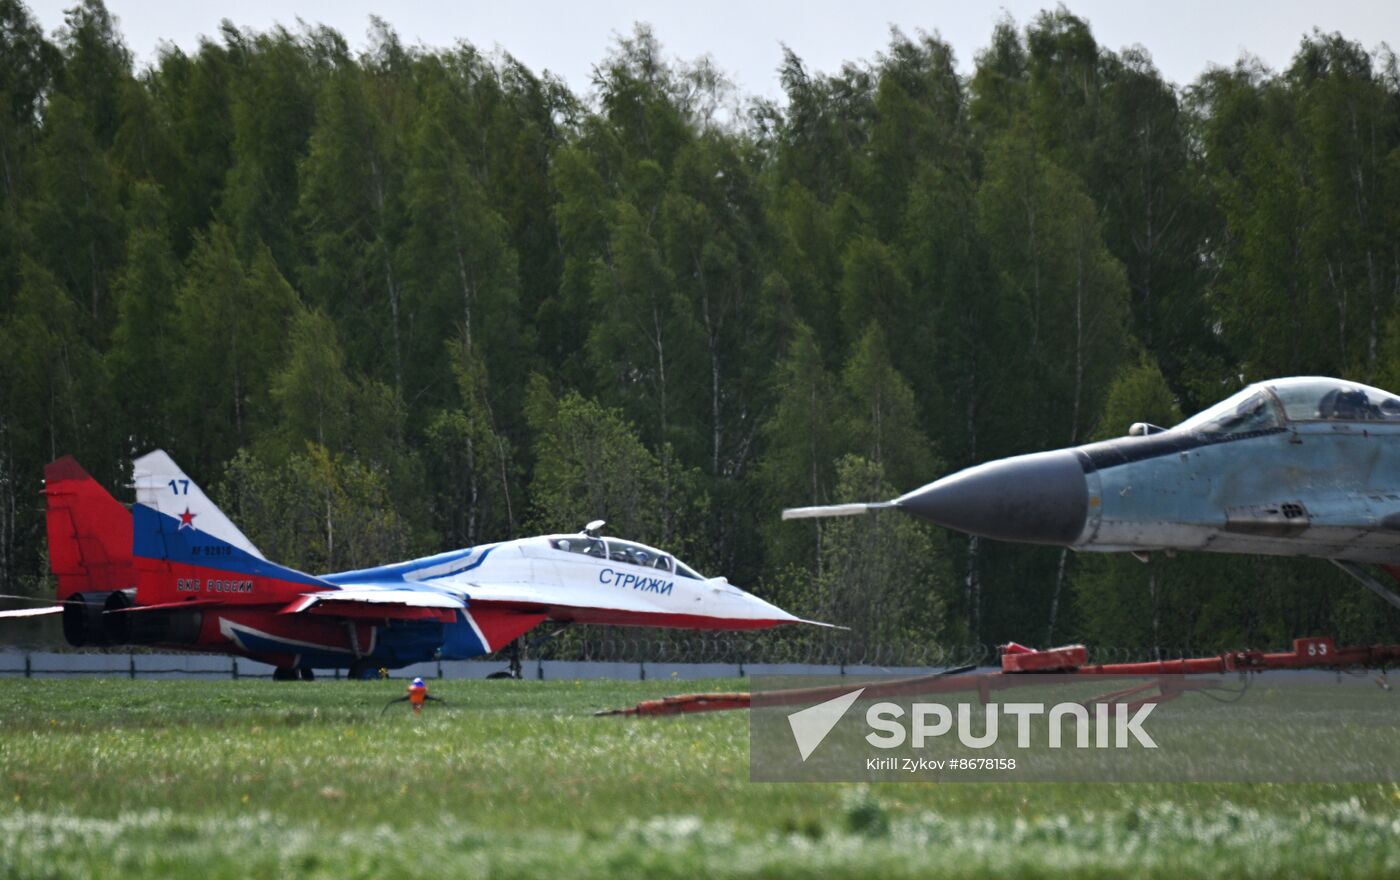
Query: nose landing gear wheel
(284,673)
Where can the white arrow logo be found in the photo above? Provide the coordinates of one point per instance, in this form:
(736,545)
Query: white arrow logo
(811,725)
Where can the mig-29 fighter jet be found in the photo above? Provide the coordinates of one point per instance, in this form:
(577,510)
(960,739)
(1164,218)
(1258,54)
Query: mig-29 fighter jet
(1305,466)
(174,571)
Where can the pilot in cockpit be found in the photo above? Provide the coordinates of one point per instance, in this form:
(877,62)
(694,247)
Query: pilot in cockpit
(1348,405)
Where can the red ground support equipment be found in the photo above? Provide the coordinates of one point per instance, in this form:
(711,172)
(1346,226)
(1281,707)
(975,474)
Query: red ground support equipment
(1019,664)
(1066,659)
(683,703)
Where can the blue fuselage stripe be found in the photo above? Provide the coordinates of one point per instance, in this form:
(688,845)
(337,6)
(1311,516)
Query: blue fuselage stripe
(399,571)
(157,536)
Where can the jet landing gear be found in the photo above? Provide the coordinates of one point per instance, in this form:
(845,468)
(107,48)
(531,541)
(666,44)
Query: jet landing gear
(1367,581)
(291,673)
(513,655)
(363,670)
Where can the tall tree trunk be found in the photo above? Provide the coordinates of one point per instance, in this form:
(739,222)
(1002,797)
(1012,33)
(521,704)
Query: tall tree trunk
(7,509)
(972,588)
(1078,343)
(468,289)
(659,342)
(505,480)
(1074,417)
(330,533)
(1055,597)
(1156,613)
(391,287)
(972,585)
(473,490)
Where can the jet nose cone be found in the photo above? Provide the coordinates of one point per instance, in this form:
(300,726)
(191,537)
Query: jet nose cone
(1038,499)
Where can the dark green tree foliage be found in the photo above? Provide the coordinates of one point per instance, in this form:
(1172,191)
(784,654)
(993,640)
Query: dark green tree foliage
(1062,296)
(393,299)
(192,97)
(472,461)
(1064,85)
(884,415)
(826,124)
(644,339)
(461,270)
(230,341)
(885,577)
(316,511)
(51,404)
(312,392)
(1153,200)
(53,376)
(590,459)
(1252,166)
(1348,127)
(77,218)
(803,439)
(96,69)
(27,65)
(272,111)
(351,206)
(998,84)
(919,122)
(145,340)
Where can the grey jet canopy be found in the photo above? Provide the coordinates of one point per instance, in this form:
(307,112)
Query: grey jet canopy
(1268,405)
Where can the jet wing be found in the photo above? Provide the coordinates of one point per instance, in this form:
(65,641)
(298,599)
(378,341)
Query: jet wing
(32,612)
(378,603)
(558,603)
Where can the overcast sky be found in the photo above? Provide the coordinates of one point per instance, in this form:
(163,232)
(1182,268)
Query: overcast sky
(745,38)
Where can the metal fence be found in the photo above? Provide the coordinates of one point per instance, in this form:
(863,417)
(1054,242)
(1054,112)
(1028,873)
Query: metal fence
(57,664)
(819,648)
(581,654)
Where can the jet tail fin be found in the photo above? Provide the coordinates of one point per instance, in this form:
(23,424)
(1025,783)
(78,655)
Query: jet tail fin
(89,532)
(163,487)
(830,510)
(185,547)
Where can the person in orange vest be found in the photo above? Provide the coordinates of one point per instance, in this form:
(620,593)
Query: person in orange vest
(417,695)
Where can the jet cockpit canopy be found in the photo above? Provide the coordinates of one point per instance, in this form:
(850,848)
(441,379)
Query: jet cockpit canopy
(628,552)
(1310,398)
(1268,405)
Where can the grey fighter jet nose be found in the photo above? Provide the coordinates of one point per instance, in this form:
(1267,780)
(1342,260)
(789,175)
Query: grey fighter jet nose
(1040,499)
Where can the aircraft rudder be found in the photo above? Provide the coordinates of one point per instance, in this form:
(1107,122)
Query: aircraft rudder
(89,531)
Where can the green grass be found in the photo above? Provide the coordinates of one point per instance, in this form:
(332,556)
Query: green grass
(120,778)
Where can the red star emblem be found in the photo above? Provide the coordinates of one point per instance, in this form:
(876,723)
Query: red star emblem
(187,518)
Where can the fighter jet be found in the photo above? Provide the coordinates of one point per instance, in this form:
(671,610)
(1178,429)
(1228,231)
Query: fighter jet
(174,571)
(1304,466)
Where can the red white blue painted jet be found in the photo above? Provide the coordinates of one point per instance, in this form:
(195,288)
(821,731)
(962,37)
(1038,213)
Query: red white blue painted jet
(174,571)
